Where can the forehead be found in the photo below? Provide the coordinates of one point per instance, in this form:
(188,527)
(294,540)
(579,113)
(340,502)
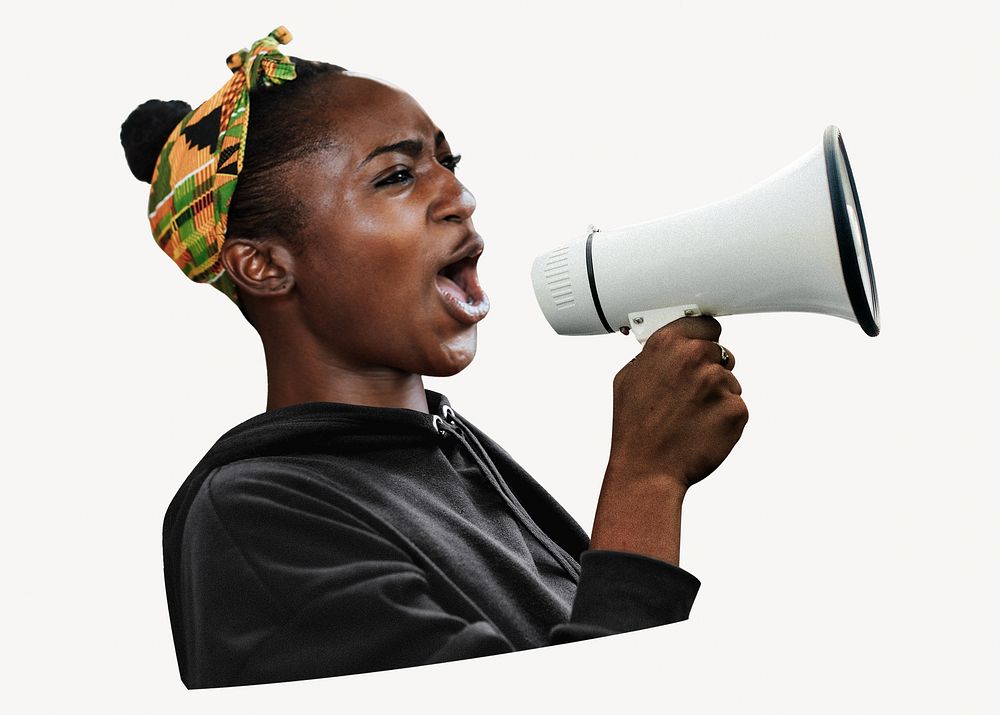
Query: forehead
(365,113)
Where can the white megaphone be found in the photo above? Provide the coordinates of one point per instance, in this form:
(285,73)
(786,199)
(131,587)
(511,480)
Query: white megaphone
(794,242)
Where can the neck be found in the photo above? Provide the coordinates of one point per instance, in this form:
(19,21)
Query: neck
(302,375)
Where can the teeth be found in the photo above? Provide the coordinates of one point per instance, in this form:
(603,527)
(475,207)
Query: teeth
(469,309)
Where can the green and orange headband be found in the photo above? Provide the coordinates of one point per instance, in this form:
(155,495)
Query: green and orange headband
(195,175)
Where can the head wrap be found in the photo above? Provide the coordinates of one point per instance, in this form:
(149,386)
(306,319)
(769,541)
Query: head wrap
(195,175)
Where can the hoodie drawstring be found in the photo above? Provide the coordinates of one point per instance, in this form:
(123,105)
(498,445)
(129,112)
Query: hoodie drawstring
(449,425)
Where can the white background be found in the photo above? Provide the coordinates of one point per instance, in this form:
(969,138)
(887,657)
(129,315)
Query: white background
(848,548)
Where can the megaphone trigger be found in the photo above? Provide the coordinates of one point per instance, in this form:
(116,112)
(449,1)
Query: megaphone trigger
(644,323)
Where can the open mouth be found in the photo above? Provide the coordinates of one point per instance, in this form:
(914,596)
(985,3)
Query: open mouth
(458,284)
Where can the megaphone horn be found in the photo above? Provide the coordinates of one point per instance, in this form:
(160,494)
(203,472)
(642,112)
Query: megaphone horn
(794,242)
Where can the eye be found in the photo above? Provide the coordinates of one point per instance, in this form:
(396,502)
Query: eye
(399,176)
(450,161)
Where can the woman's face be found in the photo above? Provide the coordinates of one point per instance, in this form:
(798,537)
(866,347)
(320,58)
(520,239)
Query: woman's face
(387,274)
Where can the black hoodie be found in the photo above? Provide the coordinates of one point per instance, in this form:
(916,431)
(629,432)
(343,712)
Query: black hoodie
(325,539)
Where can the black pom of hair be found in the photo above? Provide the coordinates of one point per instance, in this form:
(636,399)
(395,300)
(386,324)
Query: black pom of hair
(145,132)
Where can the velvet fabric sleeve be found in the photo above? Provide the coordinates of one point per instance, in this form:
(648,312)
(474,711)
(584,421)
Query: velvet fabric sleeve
(283,578)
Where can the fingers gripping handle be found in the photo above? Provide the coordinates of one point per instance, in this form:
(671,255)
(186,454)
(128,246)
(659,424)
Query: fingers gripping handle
(644,323)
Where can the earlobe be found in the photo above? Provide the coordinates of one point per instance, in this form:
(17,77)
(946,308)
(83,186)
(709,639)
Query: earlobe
(259,268)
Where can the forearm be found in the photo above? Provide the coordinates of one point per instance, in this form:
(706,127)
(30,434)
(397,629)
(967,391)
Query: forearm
(640,516)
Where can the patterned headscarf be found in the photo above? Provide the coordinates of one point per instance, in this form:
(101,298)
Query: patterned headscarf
(195,175)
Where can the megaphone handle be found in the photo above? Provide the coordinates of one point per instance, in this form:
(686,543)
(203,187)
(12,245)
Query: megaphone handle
(644,323)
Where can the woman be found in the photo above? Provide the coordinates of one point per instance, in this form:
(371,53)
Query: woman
(360,523)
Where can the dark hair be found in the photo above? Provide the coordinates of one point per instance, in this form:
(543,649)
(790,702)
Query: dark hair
(281,129)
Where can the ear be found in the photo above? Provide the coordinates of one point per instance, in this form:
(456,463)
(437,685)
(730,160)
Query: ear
(265,269)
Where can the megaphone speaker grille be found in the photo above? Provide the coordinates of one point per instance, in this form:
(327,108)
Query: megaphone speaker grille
(558,280)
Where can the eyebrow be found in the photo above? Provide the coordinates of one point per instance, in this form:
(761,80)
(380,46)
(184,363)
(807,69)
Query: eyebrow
(410,147)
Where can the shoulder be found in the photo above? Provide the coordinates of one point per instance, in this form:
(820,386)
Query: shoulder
(275,503)
(264,486)
(272,515)
(275,476)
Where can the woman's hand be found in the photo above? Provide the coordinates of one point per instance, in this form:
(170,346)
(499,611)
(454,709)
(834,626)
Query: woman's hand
(677,415)
(677,408)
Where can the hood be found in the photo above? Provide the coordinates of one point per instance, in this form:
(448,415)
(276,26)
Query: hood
(303,429)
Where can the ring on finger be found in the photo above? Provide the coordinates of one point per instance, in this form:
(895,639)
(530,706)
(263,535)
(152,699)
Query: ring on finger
(724,357)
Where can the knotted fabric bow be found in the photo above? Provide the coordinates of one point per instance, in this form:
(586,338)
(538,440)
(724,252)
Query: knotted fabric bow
(195,175)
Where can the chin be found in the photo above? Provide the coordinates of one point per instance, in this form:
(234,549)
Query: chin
(452,356)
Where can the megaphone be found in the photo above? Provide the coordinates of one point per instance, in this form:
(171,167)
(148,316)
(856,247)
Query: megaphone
(794,242)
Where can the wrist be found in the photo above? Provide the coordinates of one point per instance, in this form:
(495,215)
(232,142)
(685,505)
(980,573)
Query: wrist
(656,483)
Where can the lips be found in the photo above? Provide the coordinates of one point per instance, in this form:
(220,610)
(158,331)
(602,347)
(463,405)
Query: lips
(458,284)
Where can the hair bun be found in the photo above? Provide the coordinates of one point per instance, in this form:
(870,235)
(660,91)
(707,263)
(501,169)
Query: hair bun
(145,131)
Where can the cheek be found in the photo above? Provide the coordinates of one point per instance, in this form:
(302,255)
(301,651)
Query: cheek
(353,238)
(372,278)
(370,265)
(391,253)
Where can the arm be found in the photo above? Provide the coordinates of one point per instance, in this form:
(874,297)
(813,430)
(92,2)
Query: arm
(678,413)
(283,579)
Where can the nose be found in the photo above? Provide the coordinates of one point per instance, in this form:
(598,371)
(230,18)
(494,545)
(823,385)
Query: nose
(453,202)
